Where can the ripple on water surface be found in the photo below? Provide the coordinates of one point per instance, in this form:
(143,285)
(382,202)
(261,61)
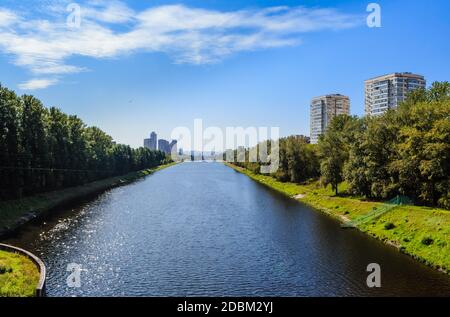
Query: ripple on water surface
(203,229)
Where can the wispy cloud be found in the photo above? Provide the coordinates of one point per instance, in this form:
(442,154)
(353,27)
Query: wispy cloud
(108,12)
(189,35)
(35,84)
(7,17)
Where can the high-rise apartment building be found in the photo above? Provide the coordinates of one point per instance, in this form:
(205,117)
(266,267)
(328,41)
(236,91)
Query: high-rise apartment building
(323,110)
(164,146)
(388,91)
(152,142)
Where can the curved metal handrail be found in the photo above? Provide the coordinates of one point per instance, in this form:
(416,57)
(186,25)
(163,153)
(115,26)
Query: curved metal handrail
(40,288)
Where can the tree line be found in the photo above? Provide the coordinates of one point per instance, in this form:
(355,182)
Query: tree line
(405,151)
(298,160)
(43,149)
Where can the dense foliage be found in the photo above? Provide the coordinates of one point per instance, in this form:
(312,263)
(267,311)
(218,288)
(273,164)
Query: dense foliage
(45,149)
(299,160)
(405,151)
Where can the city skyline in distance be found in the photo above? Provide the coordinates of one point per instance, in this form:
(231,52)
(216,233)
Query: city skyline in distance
(130,95)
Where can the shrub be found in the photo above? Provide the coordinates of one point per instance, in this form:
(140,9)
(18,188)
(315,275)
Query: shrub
(389,226)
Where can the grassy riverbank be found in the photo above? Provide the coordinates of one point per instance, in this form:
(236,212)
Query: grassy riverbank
(15,213)
(19,276)
(421,232)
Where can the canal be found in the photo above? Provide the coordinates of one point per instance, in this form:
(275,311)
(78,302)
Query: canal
(202,229)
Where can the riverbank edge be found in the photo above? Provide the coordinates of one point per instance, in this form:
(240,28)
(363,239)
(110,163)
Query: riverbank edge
(40,266)
(343,219)
(18,213)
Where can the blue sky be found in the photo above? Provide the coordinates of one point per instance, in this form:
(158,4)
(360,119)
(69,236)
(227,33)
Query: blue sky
(137,66)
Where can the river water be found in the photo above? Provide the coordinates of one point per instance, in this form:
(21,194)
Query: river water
(202,229)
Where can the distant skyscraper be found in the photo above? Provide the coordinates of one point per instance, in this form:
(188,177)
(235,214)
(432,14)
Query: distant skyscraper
(164,146)
(388,91)
(173,147)
(323,110)
(152,142)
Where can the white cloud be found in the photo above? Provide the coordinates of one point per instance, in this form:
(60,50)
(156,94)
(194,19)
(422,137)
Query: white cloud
(108,12)
(7,17)
(189,35)
(35,84)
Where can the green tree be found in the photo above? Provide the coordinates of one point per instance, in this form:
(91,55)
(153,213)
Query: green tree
(334,150)
(58,143)
(10,108)
(302,161)
(34,141)
(422,164)
(367,170)
(78,150)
